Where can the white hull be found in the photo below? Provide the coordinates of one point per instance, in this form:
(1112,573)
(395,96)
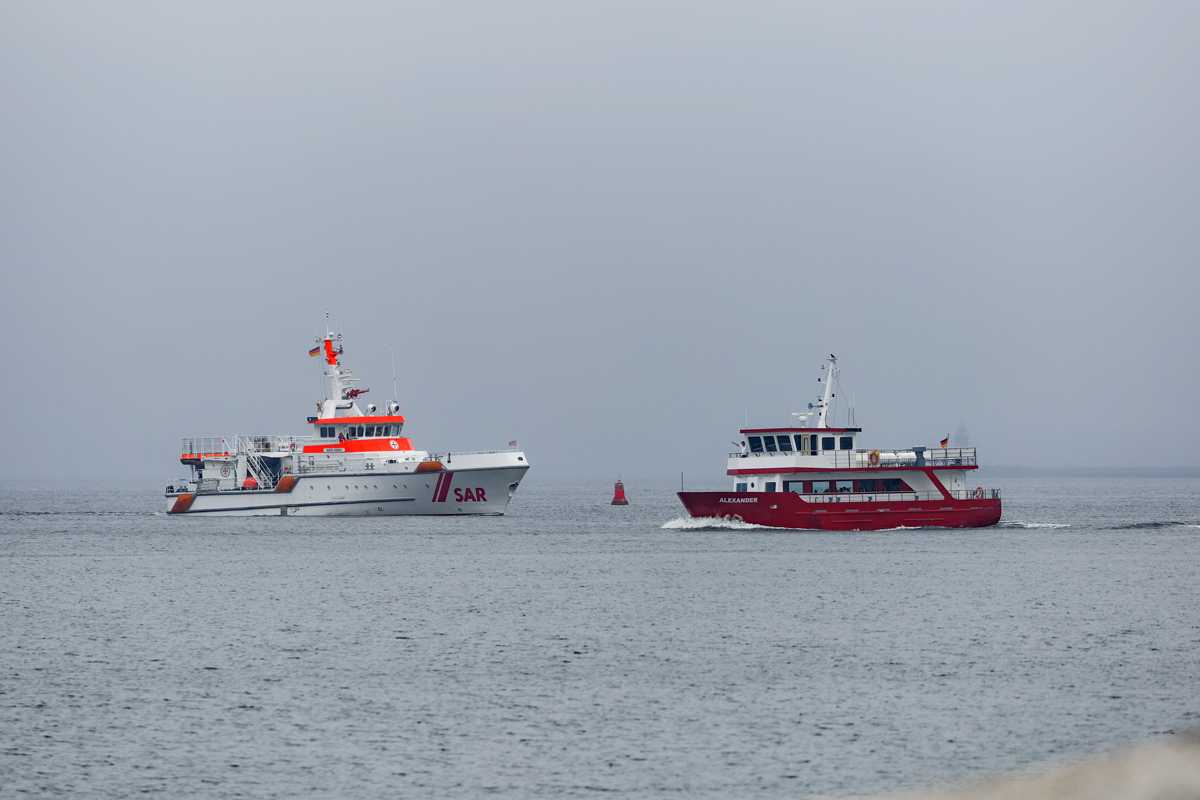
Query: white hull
(469,484)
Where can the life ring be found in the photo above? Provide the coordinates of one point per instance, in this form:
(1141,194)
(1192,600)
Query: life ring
(874,458)
(979,492)
(293,447)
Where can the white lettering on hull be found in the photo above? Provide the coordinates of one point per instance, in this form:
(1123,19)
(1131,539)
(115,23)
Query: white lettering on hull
(738,500)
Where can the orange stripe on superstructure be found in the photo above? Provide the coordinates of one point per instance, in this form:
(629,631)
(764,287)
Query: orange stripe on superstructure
(363,446)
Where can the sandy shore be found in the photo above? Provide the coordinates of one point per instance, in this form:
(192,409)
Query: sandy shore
(1167,769)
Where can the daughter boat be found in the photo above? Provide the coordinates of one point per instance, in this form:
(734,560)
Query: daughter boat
(354,463)
(815,477)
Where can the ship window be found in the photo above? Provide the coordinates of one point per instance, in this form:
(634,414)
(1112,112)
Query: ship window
(844,486)
(395,430)
(741,487)
(820,487)
(770,442)
(889,485)
(350,432)
(360,430)
(847,443)
(755,444)
(785,444)
(370,430)
(826,442)
(770,486)
(866,486)
(802,444)
(794,486)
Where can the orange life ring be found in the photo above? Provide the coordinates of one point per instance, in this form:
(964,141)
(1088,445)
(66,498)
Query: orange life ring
(874,458)
(293,447)
(979,492)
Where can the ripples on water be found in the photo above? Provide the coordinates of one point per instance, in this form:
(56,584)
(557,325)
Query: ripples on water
(573,647)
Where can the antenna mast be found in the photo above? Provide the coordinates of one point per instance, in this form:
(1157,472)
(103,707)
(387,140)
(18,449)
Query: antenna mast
(395,391)
(829,379)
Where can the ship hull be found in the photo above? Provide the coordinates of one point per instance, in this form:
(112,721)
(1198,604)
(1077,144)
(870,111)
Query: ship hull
(790,510)
(483,491)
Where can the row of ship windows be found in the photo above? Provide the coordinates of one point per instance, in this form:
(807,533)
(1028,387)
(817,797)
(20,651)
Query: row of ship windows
(826,487)
(360,431)
(804,444)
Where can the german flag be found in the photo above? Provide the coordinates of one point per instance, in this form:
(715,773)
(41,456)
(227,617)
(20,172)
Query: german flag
(316,351)
(945,441)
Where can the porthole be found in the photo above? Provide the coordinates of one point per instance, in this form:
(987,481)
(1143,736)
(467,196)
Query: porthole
(406,486)
(427,486)
(373,486)
(394,486)
(347,486)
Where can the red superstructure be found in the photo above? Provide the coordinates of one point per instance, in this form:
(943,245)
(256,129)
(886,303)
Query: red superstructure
(817,477)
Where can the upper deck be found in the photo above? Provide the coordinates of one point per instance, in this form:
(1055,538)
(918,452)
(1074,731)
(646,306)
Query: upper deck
(805,459)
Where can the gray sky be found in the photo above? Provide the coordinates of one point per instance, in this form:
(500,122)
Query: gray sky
(609,232)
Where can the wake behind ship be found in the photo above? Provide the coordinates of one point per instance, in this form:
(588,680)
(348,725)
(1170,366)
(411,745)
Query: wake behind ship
(353,463)
(816,477)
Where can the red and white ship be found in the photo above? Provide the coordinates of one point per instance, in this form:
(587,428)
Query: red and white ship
(354,463)
(817,477)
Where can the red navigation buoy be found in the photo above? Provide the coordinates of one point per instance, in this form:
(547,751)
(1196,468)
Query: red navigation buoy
(619,495)
(249,483)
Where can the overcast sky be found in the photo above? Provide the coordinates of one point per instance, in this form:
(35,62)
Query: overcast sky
(612,232)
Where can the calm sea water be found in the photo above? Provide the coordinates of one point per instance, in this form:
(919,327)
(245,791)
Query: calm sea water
(573,647)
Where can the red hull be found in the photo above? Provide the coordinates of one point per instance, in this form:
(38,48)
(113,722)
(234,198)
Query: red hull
(788,510)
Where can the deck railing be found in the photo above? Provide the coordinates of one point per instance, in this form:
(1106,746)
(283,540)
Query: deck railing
(873,459)
(899,497)
(200,446)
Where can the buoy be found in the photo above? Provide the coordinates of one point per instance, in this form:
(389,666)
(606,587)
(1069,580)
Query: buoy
(249,483)
(619,495)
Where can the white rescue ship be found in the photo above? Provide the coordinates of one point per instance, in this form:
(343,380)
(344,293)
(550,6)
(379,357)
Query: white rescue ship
(354,463)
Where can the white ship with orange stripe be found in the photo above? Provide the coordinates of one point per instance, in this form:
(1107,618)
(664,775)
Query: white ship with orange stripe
(354,463)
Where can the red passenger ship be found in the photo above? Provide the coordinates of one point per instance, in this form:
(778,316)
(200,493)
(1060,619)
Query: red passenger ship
(816,477)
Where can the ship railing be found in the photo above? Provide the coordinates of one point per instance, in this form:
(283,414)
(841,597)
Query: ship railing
(206,446)
(975,494)
(224,446)
(272,444)
(873,459)
(899,497)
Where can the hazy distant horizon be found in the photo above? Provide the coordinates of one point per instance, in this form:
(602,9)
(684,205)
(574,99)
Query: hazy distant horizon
(611,233)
